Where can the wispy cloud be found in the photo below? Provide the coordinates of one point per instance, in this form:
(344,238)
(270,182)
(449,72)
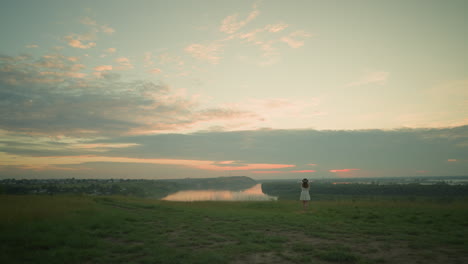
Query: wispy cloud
(232,23)
(46,162)
(95,26)
(111,50)
(52,84)
(87,40)
(79,41)
(48,69)
(106,29)
(155,71)
(370,77)
(296,39)
(274,28)
(103,68)
(124,63)
(265,38)
(31,46)
(102,147)
(63,74)
(209,52)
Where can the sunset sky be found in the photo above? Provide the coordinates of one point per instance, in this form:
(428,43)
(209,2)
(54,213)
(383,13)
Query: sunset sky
(265,89)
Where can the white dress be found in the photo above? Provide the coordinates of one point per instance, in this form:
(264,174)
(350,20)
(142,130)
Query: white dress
(304,194)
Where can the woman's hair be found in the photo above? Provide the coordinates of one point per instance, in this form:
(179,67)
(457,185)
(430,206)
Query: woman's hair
(305,183)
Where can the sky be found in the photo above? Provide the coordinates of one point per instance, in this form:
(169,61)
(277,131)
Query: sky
(265,89)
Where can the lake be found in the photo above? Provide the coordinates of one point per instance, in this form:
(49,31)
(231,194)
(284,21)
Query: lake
(252,194)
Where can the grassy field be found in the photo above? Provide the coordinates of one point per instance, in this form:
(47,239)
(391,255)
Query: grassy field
(87,229)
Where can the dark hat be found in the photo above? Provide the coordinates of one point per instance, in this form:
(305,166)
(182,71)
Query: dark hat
(305,180)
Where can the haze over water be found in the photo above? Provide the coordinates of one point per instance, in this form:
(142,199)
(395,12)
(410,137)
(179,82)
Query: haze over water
(253,194)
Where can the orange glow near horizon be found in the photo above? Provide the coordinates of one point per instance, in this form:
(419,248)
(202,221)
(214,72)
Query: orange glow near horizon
(42,163)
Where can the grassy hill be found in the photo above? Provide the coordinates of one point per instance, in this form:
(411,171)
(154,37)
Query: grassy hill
(117,229)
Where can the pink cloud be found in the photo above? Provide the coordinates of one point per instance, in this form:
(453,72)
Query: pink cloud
(232,24)
(267,172)
(344,170)
(205,52)
(45,161)
(73,59)
(76,74)
(32,46)
(49,168)
(155,71)
(124,63)
(452,160)
(93,24)
(292,43)
(303,171)
(63,74)
(294,40)
(104,145)
(225,162)
(76,42)
(250,36)
(276,27)
(106,29)
(311,164)
(85,41)
(77,67)
(111,50)
(103,68)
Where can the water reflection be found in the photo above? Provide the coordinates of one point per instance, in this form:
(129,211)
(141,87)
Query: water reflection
(253,194)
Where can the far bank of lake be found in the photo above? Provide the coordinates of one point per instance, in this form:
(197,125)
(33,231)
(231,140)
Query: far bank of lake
(254,193)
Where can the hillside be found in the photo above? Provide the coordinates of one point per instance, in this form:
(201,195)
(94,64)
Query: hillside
(85,229)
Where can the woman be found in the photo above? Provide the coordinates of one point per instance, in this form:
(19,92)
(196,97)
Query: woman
(305,197)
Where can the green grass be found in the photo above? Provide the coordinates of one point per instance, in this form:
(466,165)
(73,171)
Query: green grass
(85,229)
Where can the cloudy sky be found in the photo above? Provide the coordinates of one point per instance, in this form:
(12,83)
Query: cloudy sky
(266,89)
